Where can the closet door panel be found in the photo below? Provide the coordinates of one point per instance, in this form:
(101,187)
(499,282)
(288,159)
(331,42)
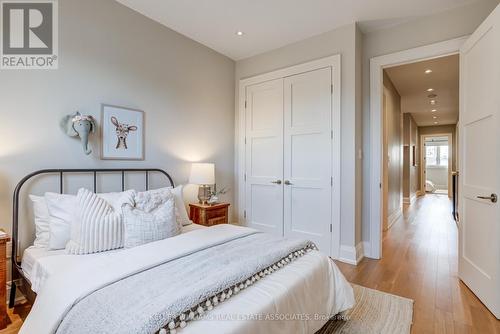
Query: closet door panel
(308,156)
(264,156)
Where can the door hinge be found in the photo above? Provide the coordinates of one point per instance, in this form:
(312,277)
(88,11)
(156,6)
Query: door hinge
(331,181)
(380,185)
(331,89)
(245,214)
(331,134)
(245,140)
(245,177)
(331,228)
(245,104)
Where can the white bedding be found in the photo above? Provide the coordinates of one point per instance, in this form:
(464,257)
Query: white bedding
(310,286)
(37,269)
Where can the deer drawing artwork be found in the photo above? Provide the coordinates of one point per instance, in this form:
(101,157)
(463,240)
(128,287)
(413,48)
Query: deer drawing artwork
(122,131)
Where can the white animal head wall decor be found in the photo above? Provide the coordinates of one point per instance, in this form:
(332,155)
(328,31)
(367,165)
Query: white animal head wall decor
(78,125)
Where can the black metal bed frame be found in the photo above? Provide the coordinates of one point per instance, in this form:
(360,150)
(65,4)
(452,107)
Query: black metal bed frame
(17,271)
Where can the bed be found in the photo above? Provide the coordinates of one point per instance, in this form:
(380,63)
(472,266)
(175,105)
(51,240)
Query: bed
(298,297)
(37,267)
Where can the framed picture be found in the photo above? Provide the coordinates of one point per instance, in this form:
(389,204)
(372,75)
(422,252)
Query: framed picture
(122,133)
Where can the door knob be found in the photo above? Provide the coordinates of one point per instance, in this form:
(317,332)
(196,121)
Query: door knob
(276,182)
(493,198)
(288,183)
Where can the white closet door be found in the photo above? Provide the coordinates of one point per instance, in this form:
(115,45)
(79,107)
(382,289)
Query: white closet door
(264,156)
(308,157)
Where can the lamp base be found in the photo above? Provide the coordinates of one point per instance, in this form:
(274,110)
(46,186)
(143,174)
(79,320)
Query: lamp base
(204,192)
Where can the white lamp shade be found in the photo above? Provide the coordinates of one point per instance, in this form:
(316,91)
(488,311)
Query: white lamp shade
(202,173)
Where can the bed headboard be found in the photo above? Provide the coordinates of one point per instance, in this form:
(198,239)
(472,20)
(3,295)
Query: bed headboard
(61,173)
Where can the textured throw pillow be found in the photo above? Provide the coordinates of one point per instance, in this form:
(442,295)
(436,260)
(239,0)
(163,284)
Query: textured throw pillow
(152,219)
(42,221)
(98,226)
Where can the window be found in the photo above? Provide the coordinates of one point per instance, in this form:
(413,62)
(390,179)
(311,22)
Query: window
(436,155)
(443,155)
(431,155)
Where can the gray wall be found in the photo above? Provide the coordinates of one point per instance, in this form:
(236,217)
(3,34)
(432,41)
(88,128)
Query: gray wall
(111,54)
(343,41)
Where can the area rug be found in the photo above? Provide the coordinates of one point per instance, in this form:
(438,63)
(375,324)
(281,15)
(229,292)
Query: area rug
(375,312)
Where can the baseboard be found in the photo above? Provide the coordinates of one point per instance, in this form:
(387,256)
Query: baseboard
(367,249)
(410,200)
(413,198)
(394,217)
(353,255)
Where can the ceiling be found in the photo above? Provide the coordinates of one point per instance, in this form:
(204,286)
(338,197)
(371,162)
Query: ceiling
(412,83)
(270,24)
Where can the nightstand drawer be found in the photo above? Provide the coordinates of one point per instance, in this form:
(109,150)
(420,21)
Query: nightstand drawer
(209,215)
(217,221)
(216,213)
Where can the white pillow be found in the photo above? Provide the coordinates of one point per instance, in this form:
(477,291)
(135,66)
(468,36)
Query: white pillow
(98,227)
(42,220)
(180,213)
(116,200)
(152,219)
(62,209)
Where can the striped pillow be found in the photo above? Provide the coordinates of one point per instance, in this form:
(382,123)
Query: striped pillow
(98,226)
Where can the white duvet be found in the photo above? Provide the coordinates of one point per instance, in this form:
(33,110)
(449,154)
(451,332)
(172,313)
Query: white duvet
(294,299)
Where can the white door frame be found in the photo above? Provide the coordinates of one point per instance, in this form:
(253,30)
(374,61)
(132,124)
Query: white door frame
(423,167)
(335,63)
(377,65)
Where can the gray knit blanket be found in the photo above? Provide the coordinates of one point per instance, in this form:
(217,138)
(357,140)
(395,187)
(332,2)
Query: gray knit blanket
(168,296)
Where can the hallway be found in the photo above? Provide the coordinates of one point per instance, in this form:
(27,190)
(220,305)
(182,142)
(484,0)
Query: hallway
(420,262)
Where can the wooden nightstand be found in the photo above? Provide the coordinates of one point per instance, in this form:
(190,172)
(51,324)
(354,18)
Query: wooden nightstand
(209,215)
(4,318)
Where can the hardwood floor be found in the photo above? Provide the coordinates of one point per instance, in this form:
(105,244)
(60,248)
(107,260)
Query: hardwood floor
(420,261)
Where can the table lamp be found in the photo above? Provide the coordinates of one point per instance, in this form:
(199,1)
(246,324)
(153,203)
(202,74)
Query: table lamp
(203,174)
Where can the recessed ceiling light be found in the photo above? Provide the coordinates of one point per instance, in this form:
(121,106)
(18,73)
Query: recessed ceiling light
(240,33)
(436,123)
(433,110)
(428,71)
(430,89)
(434,117)
(433,102)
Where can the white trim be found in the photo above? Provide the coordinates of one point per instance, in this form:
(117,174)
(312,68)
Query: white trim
(353,255)
(377,64)
(335,63)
